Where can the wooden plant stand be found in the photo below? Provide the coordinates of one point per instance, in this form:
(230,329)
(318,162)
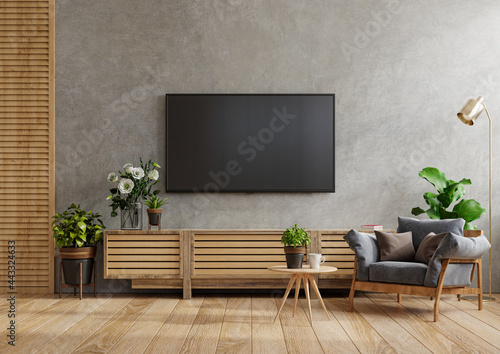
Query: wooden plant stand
(80,286)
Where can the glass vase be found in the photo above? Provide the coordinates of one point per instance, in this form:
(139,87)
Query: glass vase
(131,217)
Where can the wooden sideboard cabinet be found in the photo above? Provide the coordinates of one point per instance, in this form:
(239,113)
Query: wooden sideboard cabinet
(216,259)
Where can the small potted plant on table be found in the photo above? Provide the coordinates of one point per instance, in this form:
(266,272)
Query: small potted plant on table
(154,204)
(295,240)
(77,234)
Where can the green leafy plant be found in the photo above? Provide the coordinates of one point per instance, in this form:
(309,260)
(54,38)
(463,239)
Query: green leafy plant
(75,227)
(295,237)
(154,202)
(448,192)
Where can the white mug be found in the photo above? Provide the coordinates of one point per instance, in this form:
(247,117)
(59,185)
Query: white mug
(315,259)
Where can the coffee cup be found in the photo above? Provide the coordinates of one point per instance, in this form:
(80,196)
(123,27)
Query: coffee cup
(315,260)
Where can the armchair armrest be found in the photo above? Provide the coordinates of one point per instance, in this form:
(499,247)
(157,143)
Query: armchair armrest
(365,247)
(455,247)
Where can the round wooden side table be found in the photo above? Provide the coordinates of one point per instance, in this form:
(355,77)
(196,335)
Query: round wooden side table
(304,274)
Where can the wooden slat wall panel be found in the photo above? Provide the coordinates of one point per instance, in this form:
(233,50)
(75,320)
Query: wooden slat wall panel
(135,255)
(27,142)
(223,254)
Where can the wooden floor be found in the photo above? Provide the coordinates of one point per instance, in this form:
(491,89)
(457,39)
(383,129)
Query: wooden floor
(244,324)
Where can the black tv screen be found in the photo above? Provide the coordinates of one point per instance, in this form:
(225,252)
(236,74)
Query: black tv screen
(250,143)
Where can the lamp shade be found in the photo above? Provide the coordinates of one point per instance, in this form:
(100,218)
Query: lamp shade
(471,111)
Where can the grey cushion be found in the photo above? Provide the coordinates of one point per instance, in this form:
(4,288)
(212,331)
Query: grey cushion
(395,247)
(398,272)
(455,246)
(428,246)
(421,228)
(366,250)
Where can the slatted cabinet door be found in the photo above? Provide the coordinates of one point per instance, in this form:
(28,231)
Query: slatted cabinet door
(135,255)
(27,143)
(225,254)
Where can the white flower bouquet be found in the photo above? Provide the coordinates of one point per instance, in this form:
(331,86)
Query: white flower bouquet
(134,185)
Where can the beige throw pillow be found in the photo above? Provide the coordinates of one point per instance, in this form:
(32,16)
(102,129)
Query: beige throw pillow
(428,247)
(395,247)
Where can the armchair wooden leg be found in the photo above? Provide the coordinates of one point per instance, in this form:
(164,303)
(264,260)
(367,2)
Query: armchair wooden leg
(480,285)
(353,284)
(400,298)
(351,297)
(439,290)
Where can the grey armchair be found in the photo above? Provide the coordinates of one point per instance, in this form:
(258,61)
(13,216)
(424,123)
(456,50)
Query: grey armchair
(449,271)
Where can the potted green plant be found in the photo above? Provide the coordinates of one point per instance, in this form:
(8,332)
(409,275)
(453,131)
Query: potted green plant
(77,233)
(154,204)
(448,192)
(295,241)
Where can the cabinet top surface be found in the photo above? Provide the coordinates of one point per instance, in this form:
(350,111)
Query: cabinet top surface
(305,269)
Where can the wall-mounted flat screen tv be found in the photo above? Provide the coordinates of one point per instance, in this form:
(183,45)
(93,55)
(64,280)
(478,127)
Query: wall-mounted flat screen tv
(250,143)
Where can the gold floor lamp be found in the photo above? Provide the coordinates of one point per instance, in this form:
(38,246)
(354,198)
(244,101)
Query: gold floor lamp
(468,114)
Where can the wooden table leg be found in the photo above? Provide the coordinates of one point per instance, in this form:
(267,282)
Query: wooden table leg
(306,289)
(288,288)
(316,290)
(297,289)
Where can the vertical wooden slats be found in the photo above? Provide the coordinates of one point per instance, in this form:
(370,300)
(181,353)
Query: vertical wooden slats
(136,255)
(27,152)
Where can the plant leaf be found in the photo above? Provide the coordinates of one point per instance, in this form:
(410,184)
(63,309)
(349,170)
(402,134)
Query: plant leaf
(469,210)
(432,214)
(432,200)
(465,181)
(435,177)
(417,211)
(451,194)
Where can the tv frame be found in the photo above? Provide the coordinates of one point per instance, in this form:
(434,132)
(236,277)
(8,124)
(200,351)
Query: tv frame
(248,191)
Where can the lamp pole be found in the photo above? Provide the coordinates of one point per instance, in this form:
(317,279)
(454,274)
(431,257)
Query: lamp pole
(490,174)
(468,115)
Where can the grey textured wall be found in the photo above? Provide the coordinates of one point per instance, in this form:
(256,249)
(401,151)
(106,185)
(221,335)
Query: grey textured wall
(400,71)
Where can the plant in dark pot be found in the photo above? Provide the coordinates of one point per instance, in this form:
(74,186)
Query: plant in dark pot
(295,240)
(154,204)
(77,233)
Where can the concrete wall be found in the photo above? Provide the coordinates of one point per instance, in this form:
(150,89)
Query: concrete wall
(400,71)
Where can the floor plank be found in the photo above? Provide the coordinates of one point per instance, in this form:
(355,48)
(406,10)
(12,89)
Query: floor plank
(176,327)
(142,332)
(297,330)
(421,329)
(204,334)
(42,335)
(113,330)
(35,320)
(468,323)
(365,338)
(267,337)
(70,339)
(388,328)
(330,334)
(493,306)
(236,331)
(470,307)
